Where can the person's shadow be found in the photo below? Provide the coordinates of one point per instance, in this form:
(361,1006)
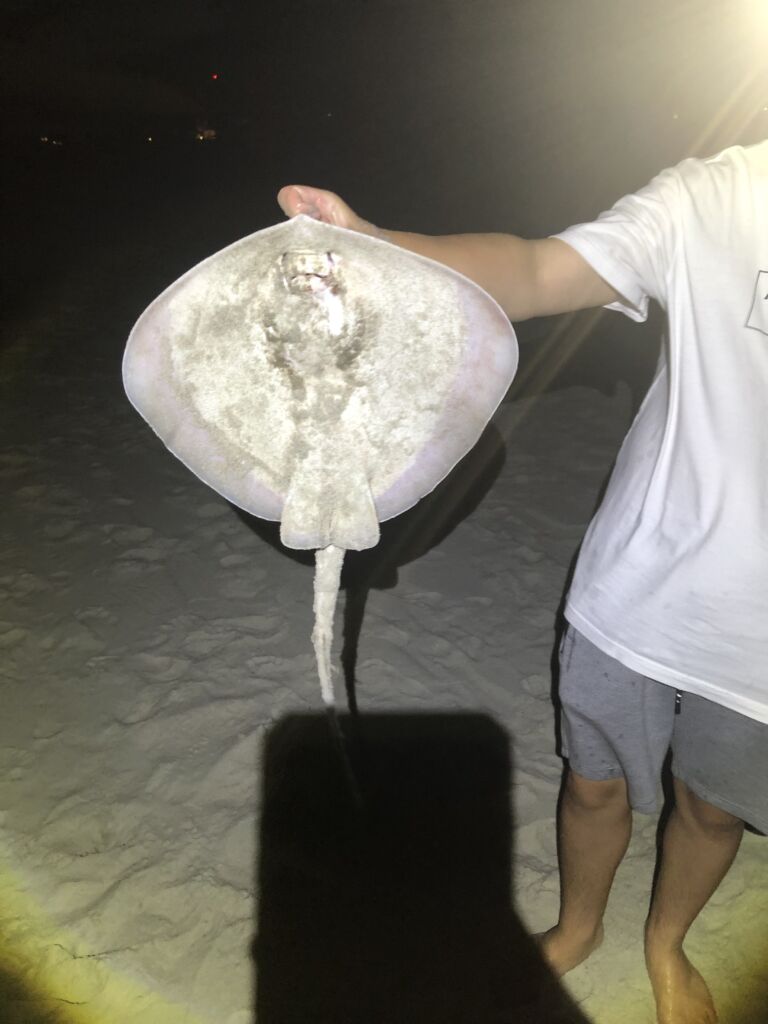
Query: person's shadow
(385,878)
(403,539)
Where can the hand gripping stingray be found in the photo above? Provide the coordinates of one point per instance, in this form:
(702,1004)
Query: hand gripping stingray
(322,378)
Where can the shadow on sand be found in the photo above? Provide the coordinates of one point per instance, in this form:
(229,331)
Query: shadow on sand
(385,878)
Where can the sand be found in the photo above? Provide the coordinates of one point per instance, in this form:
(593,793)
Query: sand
(152,638)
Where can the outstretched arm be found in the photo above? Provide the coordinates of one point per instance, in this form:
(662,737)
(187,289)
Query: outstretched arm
(527,277)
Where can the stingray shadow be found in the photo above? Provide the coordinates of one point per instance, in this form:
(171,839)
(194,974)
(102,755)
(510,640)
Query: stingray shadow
(403,539)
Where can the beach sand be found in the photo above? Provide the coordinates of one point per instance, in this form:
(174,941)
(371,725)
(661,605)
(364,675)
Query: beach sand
(171,849)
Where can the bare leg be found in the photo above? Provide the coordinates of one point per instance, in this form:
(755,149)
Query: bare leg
(700,842)
(594,830)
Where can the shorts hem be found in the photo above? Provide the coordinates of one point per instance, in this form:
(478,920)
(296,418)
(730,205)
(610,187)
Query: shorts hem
(596,776)
(651,807)
(730,806)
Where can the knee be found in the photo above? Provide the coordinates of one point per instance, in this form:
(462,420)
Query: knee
(703,814)
(596,795)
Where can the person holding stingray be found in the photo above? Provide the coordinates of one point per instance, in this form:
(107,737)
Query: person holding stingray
(666,645)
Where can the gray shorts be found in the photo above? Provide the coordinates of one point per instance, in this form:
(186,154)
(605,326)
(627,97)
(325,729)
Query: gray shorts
(616,722)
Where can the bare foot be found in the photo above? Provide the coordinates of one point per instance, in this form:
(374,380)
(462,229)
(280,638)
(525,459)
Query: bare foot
(681,994)
(563,952)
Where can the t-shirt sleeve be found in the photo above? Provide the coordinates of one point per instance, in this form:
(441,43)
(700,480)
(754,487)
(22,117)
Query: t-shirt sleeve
(631,245)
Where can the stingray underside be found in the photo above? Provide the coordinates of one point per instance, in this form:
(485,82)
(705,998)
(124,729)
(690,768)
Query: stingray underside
(320,377)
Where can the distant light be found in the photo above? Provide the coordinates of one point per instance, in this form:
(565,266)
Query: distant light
(215,75)
(43,138)
(149,138)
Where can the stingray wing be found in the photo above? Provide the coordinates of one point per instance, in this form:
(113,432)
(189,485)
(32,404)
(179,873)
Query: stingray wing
(321,377)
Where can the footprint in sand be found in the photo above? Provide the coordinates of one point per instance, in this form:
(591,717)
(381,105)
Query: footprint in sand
(537,686)
(60,530)
(27,584)
(243,586)
(140,561)
(45,731)
(11,636)
(160,668)
(203,642)
(144,552)
(145,556)
(142,710)
(96,613)
(124,534)
(220,633)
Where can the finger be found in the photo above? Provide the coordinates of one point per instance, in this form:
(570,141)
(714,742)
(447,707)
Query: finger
(294,199)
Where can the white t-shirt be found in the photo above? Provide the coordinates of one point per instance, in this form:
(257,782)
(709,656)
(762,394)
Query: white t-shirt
(672,579)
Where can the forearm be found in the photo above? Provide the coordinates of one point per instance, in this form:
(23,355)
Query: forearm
(501,264)
(527,277)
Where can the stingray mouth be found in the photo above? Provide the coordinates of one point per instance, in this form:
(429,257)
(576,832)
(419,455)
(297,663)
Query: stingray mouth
(309,272)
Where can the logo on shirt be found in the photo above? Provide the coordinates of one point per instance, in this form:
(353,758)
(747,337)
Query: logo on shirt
(758,315)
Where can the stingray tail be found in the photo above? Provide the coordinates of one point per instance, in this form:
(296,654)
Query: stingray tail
(327,578)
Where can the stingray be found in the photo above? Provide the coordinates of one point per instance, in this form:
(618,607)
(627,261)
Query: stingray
(323,378)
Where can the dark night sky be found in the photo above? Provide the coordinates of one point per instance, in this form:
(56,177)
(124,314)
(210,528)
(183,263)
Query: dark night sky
(437,115)
(500,81)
